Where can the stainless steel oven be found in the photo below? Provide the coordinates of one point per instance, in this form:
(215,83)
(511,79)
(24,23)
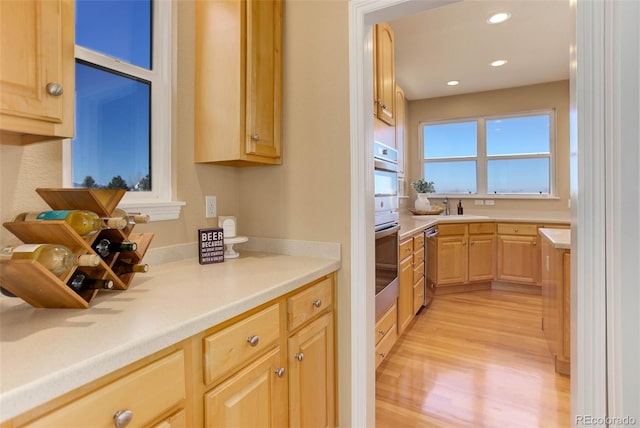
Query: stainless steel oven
(386,268)
(386,225)
(385,185)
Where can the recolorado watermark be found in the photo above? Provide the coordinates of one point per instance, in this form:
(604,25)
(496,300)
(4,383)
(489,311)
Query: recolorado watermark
(605,420)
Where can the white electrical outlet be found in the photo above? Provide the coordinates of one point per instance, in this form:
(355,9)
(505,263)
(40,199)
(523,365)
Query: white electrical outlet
(478,202)
(211,207)
(489,202)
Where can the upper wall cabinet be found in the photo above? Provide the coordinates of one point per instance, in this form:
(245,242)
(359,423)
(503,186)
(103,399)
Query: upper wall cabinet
(238,82)
(37,70)
(384,74)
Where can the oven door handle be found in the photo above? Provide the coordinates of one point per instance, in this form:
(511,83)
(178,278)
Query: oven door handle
(386,232)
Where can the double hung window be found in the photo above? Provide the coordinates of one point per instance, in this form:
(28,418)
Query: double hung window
(505,155)
(123,99)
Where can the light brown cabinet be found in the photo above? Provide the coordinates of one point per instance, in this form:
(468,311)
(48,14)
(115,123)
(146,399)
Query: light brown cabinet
(273,366)
(238,82)
(386,333)
(556,303)
(518,253)
(384,74)
(401,129)
(462,253)
(150,395)
(37,70)
(411,280)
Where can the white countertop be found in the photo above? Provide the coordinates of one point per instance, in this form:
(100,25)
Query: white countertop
(45,353)
(559,238)
(411,224)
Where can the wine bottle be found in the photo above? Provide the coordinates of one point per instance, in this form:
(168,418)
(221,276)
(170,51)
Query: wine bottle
(131,218)
(104,247)
(58,259)
(85,223)
(80,281)
(122,268)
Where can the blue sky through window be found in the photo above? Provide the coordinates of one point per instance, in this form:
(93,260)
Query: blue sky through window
(113,110)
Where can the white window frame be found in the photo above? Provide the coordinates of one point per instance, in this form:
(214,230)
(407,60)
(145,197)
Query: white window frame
(158,202)
(481,157)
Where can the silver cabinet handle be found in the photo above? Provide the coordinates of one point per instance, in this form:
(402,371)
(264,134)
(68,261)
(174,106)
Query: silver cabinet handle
(317,303)
(472,242)
(253,340)
(383,354)
(516,230)
(255,137)
(54,89)
(464,242)
(280,371)
(381,332)
(534,243)
(121,418)
(299,356)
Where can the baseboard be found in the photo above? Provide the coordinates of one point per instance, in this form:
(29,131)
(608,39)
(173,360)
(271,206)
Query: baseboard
(517,288)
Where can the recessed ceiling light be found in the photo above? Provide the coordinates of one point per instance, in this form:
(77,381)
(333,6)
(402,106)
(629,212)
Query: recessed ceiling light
(499,17)
(499,63)
(453,82)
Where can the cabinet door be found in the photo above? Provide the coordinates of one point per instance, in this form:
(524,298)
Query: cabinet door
(311,375)
(481,259)
(385,77)
(452,260)
(405,294)
(254,397)
(400,128)
(518,258)
(37,53)
(177,420)
(264,78)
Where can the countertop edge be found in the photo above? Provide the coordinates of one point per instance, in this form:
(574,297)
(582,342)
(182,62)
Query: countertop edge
(559,238)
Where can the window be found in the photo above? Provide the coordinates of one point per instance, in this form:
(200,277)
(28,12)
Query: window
(123,101)
(506,155)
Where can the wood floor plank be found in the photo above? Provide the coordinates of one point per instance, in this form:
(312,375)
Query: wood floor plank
(475,359)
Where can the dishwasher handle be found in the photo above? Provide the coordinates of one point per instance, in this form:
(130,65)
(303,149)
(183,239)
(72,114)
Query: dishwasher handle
(432,233)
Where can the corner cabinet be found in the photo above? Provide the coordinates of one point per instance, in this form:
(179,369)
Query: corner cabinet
(37,70)
(238,82)
(518,253)
(384,74)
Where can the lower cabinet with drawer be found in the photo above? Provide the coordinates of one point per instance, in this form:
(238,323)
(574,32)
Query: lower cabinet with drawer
(273,366)
(518,253)
(152,393)
(386,333)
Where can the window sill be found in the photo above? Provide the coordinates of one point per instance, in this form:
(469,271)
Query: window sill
(157,211)
(465,196)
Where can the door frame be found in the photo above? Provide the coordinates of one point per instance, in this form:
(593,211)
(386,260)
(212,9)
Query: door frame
(588,178)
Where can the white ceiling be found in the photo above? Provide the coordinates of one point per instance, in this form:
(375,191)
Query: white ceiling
(454,42)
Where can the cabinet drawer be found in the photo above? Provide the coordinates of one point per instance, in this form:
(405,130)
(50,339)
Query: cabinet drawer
(406,249)
(452,229)
(418,256)
(418,296)
(418,272)
(147,392)
(418,242)
(480,228)
(232,347)
(308,303)
(517,229)
(384,346)
(386,323)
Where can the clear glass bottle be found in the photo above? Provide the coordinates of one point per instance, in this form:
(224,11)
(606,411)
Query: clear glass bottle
(85,223)
(58,259)
(131,218)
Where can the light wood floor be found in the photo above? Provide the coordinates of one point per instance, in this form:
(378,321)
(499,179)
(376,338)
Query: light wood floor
(473,359)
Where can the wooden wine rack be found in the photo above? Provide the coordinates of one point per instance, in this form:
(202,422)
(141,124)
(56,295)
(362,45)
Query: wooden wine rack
(30,281)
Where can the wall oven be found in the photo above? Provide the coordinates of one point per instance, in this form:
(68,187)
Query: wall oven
(386,226)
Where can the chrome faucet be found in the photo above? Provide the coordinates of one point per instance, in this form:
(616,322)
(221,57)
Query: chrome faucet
(447,211)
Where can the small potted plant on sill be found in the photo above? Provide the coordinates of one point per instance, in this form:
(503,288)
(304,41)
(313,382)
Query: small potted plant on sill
(423,187)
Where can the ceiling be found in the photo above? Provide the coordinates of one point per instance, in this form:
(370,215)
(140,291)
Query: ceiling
(454,42)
